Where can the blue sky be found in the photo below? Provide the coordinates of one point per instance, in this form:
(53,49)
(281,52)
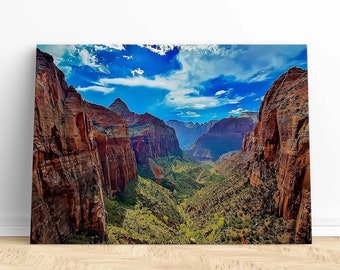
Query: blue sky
(184,82)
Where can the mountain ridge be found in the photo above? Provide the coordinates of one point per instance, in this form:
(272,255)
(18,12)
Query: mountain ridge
(188,132)
(224,136)
(150,136)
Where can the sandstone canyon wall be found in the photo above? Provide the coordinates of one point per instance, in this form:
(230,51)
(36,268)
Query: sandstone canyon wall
(278,150)
(150,136)
(117,159)
(80,153)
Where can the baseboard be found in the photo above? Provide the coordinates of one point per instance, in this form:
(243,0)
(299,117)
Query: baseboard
(326,227)
(21,227)
(15,226)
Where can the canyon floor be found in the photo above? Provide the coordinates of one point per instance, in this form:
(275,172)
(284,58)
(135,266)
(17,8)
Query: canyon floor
(192,203)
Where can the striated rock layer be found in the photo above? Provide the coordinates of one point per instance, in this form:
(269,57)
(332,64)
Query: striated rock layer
(278,150)
(117,159)
(150,136)
(80,153)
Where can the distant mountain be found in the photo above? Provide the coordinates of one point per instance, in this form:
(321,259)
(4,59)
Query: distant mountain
(253,115)
(188,132)
(150,136)
(225,136)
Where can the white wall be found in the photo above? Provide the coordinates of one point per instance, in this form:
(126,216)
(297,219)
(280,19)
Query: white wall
(24,23)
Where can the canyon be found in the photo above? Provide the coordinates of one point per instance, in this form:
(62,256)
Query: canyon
(87,162)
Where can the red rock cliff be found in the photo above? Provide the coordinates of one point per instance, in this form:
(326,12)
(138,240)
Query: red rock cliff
(150,136)
(74,163)
(118,161)
(280,144)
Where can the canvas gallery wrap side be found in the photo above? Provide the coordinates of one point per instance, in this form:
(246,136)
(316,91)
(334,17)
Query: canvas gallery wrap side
(171,144)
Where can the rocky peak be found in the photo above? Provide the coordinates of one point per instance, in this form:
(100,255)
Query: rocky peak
(150,137)
(120,107)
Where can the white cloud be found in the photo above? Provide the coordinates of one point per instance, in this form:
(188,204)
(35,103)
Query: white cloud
(220,92)
(259,98)
(235,100)
(118,47)
(244,63)
(135,81)
(99,47)
(180,95)
(137,71)
(108,47)
(181,99)
(189,114)
(159,49)
(102,89)
(81,55)
(203,62)
(192,114)
(211,49)
(88,59)
(127,57)
(237,111)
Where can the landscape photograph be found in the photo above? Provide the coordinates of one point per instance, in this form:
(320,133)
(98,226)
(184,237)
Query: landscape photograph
(171,144)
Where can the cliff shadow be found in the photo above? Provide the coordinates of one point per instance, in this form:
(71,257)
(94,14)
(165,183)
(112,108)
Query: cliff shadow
(116,208)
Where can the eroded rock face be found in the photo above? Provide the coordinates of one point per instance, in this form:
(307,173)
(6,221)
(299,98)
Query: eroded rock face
(150,136)
(280,144)
(225,136)
(74,163)
(113,143)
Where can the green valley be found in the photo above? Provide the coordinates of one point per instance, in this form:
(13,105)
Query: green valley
(205,207)
(147,212)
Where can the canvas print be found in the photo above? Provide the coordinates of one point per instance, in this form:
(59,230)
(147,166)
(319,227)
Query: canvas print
(171,144)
